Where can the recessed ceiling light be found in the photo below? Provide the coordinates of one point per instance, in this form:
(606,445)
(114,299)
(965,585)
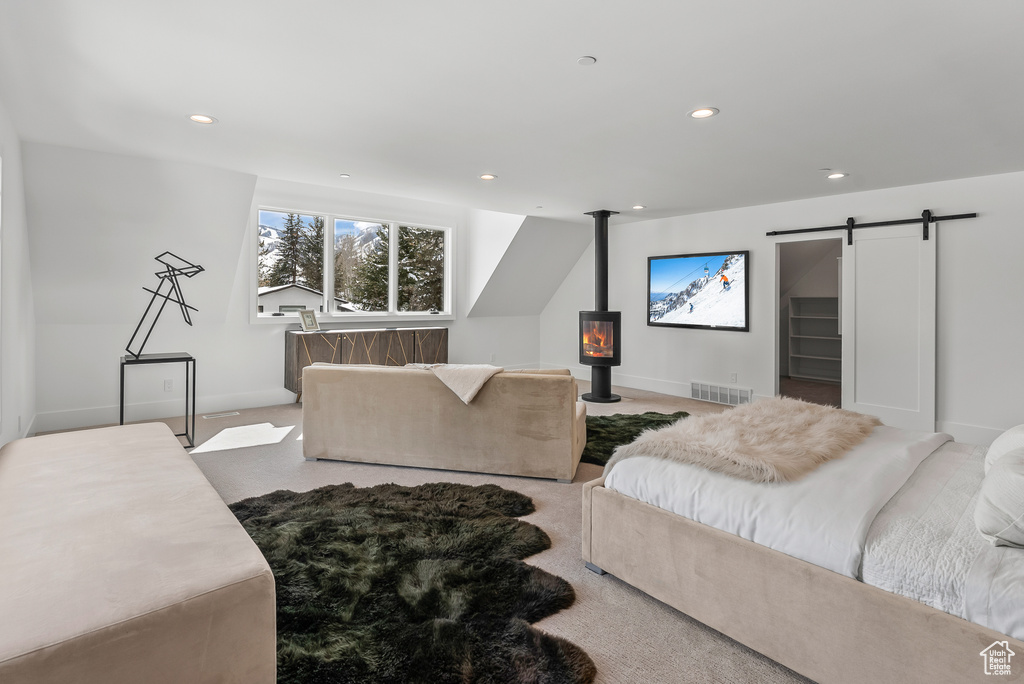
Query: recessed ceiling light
(487,176)
(703,112)
(203,119)
(836,175)
(586,60)
(344,175)
(638,207)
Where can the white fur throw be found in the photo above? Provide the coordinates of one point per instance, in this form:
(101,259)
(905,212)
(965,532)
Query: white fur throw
(773,440)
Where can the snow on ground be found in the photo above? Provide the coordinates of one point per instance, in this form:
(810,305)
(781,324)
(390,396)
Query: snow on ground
(713,305)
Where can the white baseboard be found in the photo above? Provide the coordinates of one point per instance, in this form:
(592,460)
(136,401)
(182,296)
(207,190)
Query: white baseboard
(969,434)
(669,387)
(109,415)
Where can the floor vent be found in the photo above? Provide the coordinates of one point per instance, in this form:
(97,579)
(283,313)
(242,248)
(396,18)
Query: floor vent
(732,396)
(222,415)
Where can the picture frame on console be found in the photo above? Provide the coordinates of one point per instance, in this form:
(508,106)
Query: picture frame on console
(307,319)
(707,290)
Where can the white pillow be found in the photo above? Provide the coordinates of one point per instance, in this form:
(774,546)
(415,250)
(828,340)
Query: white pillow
(1011,439)
(999,514)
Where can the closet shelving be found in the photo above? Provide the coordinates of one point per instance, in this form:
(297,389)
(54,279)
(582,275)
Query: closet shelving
(815,346)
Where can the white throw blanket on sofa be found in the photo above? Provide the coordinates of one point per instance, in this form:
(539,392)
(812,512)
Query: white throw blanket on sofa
(465,379)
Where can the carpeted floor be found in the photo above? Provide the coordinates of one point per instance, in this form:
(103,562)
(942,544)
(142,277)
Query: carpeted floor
(630,636)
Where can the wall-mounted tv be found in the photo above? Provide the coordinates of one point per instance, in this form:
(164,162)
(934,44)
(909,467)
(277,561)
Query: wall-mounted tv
(699,291)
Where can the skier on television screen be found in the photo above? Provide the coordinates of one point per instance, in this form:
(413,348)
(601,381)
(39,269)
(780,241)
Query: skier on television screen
(691,308)
(725,282)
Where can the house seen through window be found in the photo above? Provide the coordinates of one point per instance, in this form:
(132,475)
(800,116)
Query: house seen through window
(368,267)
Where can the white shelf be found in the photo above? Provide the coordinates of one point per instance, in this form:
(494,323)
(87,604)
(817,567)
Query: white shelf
(815,346)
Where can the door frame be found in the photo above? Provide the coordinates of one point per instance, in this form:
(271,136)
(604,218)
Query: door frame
(779,241)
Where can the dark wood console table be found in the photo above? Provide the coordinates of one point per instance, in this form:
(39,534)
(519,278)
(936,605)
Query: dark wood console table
(382,347)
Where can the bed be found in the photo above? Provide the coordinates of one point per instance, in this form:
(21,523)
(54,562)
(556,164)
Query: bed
(815,610)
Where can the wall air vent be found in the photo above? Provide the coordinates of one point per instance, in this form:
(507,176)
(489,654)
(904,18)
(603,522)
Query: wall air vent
(733,396)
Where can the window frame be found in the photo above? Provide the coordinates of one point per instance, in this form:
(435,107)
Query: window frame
(328,314)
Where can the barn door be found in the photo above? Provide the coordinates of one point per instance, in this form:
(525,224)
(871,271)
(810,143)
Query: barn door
(888,324)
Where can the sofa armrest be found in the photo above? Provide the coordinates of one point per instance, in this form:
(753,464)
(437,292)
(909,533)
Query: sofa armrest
(580,430)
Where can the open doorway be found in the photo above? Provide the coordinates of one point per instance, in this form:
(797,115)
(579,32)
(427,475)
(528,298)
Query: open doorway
(810,346)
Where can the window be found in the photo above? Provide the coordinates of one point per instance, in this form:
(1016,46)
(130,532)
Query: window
(420,269)
(370,268)
(361,265)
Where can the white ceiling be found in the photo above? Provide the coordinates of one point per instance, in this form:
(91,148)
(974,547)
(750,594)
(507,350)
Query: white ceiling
(417,99)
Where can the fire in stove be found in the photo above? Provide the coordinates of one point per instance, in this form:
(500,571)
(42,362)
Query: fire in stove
(599,338)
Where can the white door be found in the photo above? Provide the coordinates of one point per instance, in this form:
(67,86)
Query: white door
(888,324)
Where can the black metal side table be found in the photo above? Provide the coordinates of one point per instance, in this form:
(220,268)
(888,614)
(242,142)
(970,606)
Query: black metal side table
(190,386)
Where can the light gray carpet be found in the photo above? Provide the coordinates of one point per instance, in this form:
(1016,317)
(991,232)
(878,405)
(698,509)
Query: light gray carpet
(630,636)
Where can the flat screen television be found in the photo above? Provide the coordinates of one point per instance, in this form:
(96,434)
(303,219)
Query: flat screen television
(709,290)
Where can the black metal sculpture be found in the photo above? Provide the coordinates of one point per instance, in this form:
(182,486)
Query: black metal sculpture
(169,290)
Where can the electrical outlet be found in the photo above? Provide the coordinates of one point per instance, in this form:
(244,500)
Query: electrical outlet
(168,385)
(732,378)
(493,357)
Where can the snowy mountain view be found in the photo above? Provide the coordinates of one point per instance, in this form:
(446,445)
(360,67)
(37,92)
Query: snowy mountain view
(699,295)
(359,264)
(362,235)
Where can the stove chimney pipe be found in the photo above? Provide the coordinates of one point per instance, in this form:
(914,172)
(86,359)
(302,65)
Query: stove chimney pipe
(601,375)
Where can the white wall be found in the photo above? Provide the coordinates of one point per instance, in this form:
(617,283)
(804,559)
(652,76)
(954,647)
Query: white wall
(979,294)
(96,222)
(17,311)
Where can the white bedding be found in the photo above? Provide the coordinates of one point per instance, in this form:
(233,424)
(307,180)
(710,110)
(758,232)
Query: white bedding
(924,541)
(924,545)
(822,518)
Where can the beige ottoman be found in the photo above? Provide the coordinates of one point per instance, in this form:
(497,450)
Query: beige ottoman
(119,563)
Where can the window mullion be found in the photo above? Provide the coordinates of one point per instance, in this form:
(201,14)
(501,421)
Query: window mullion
(392,267)
(328,283)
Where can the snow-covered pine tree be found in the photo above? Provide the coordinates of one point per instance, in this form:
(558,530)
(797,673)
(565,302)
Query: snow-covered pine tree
(346,261)
(420,269)
(286,268)
(262,265)
(311,253)
(370,289)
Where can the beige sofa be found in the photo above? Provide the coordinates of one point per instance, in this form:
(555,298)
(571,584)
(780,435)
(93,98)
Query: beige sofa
(526,423)
(120,564)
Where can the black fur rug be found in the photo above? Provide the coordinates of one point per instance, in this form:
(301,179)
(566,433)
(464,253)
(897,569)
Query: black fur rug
(411,584)
(604,433)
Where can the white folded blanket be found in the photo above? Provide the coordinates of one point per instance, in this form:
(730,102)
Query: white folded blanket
(465,379)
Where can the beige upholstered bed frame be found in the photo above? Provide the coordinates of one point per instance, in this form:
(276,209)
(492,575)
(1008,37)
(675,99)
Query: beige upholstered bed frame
(819,623)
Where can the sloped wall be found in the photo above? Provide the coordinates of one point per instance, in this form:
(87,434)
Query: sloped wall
(532,267)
